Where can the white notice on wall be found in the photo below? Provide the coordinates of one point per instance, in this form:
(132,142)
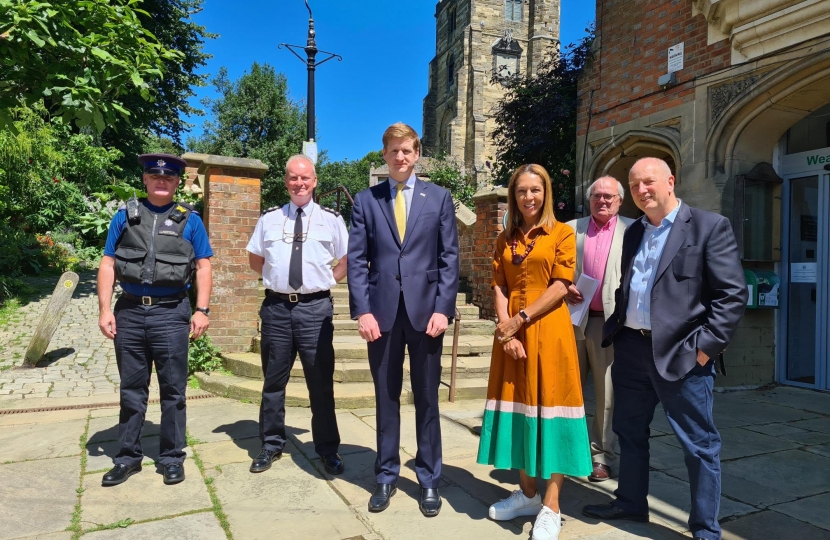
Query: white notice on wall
(803,272)
(310,151)
(676,57)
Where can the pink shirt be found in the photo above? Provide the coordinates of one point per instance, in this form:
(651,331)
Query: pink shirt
(595,255)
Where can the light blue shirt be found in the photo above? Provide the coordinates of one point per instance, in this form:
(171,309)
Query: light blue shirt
(638,311)
(408,190)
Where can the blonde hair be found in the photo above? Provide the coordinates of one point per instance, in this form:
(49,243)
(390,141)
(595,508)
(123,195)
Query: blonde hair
(547,219)
(402,131)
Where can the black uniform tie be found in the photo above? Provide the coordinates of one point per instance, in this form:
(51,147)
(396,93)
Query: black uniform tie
(295,267)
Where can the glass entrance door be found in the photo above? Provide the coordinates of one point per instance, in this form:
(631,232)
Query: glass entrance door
(805,247)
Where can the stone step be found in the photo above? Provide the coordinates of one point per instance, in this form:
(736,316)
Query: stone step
(248,365)
(467,311)
(469,327)
(352,348)
(346,396)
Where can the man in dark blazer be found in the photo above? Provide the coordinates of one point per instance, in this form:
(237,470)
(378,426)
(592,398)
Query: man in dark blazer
(681,296)
(403,281)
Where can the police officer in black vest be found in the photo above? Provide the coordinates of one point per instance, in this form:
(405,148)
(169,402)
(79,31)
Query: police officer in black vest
(155,248)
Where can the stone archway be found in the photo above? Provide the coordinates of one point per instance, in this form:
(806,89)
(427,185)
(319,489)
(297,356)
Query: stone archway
(616,157)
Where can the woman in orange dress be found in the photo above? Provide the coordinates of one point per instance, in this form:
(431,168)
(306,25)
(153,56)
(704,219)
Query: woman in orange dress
(534,419)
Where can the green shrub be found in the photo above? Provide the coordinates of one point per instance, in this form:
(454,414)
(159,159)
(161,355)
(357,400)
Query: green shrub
(203,355)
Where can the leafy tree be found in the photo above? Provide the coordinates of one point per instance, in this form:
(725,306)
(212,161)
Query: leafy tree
(255,118)
(536,121)
(353,175)
(446,172)
(82,57)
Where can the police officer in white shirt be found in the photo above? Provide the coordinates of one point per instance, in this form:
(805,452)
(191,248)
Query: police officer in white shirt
(294,248)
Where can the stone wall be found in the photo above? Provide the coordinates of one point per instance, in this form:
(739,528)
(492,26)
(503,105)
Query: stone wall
(232,208)
(490,208)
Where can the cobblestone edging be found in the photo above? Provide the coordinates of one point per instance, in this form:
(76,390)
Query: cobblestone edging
(79,361)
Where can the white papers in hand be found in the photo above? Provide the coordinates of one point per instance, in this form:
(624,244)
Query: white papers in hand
(587,286)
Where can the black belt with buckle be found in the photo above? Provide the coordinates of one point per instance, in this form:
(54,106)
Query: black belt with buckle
(153,300)
(297,297)
(641,331)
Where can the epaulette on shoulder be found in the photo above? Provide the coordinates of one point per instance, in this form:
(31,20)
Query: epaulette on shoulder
(270,209)
(331,210)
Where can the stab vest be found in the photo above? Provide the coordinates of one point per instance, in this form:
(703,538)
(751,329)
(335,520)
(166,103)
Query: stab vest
(152,250)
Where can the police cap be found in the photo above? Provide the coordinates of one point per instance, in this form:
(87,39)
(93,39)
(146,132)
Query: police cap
(166,164)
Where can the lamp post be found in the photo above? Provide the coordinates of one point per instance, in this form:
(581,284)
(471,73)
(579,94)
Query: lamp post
(311,63)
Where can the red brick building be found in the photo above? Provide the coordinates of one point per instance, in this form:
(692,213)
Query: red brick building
(745,124)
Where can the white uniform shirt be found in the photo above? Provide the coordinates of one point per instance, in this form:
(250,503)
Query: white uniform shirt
(326,240)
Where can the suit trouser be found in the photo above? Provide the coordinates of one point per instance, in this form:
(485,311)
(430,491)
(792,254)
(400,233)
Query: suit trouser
(591,354)
(386,356)
(638,388)
(148,335)
(288,329)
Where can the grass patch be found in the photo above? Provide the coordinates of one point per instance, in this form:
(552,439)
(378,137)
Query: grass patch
(8,309)
(214,499)
(75,524)
(193,382)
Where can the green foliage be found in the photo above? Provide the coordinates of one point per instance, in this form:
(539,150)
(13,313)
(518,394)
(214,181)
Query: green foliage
(255,118)
(81,56)
(446,172)
(536,122)
(202,355)
(353,175)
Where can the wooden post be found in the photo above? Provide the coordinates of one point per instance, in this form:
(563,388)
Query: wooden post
(51,318)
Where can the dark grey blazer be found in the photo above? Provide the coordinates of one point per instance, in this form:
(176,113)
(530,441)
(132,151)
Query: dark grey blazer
(424,266)
(699,291)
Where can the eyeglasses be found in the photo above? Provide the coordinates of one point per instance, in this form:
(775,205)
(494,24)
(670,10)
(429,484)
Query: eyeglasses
(601,197)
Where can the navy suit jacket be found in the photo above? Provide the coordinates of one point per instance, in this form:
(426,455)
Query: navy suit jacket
(699,293)
(424,266)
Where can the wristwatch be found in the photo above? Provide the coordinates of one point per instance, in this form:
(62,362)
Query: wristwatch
(524,316)
(204,310)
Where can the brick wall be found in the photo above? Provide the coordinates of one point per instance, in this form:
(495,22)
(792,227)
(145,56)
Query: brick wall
(634,37)
(232,208)
(490,209)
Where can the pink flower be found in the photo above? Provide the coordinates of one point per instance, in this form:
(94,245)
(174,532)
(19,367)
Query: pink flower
(566,172)
(561,206)
(561,186)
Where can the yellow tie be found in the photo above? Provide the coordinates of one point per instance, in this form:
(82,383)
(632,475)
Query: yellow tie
(400,210)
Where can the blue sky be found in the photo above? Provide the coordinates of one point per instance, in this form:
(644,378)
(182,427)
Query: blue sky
(386,48)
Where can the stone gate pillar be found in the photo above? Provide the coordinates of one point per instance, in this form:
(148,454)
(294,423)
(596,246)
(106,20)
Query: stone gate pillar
(491,205)
(231,189)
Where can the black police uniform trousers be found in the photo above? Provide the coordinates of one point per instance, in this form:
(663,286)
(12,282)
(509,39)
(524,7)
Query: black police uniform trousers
(148,335)
(306,328)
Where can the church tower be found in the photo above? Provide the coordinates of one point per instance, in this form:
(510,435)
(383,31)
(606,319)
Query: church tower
(476,39)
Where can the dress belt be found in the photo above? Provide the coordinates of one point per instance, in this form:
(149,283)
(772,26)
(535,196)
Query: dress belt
(153,300)
(296,297)
(641,331)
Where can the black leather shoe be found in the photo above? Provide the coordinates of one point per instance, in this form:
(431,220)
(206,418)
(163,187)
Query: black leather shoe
(430,503)
(263,461)
(379,501)
(334,464)
(119,474)
(173,473)
(609,511)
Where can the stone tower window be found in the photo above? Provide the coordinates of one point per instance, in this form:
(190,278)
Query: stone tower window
(513,10)
(450,70)
(451,20)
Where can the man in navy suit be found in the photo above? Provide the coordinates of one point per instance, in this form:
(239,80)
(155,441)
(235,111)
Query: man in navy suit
(403,281)
(681,296)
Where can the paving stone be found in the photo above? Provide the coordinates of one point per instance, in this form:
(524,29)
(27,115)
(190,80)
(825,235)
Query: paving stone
(38,496)
(823,450)
(812,510)
(106,429)
(49,417)
(201,526)
(797,398)
(772,478)
(770,524)
(818,424)
(144,496)
(456,441)
(739,442)
(664,453)
(40,441)
(101,454)
(737,413)
(306,505)
(226,419)
(355,434)
(225,452)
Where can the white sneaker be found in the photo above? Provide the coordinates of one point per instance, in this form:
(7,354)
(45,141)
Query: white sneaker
(547,526)
(515,505)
